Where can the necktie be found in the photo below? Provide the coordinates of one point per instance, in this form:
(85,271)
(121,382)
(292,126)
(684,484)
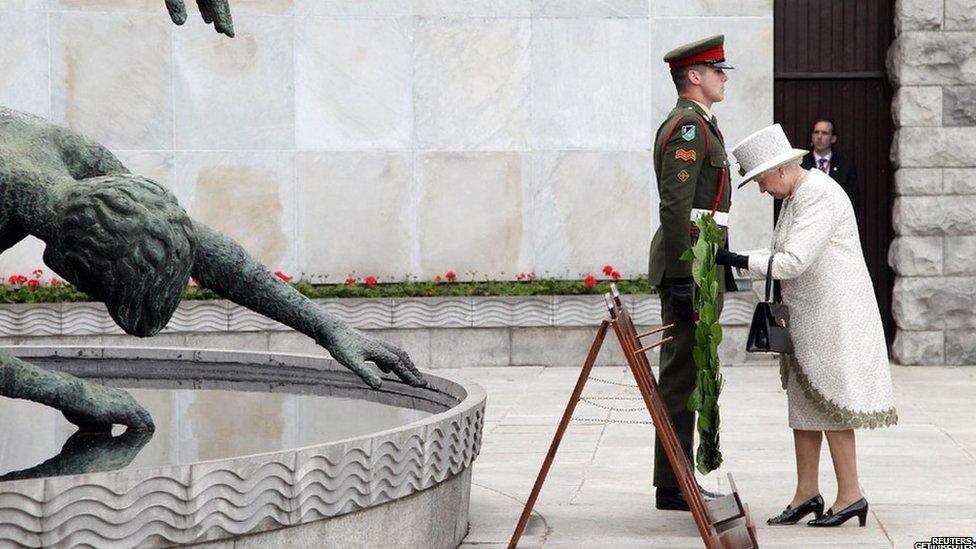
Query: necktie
(822,164)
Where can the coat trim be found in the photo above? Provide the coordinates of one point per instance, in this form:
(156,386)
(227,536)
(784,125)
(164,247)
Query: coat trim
(853,419)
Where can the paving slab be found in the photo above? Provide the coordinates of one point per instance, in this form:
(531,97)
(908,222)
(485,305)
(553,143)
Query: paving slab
(918,476)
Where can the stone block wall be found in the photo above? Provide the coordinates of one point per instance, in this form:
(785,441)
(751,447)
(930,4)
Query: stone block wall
(932,64)
(394,137)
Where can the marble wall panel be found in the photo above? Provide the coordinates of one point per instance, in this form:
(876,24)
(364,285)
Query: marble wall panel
(471,214)
(353,83)
(471,83)
(157,166)
(23,258)
(604,8)
(24,62)
(590,84)
(711,8)
(354,8)
(111,77)
(356,214)
(33,5)
(472,8)
(248,196)
(590,208)
(747,107)
(235,94)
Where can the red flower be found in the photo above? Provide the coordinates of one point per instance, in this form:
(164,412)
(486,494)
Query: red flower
(194,282)
(589,281)
(520,277)
(37,273)
(17,279)
(531,276)
(33,283)
(451,276)
(437,279)
(55,282)
(615,275)
(281,275)
(607,269)
(371,280)
(351,281)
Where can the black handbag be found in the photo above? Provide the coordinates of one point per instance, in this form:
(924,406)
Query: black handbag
(770,328)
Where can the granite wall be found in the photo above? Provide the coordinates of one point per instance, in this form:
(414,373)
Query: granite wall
(394,137)
(933,67)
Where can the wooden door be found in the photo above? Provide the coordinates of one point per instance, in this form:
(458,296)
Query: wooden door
(829,61)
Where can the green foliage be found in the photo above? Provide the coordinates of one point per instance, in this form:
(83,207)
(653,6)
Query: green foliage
(410,288)
(708,336)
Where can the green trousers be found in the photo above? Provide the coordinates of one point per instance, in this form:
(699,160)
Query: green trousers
(676,380)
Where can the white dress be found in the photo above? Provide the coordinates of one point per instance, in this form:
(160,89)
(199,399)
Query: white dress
(839,376)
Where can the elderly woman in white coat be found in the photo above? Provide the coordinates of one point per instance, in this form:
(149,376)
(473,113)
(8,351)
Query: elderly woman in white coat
(838,378)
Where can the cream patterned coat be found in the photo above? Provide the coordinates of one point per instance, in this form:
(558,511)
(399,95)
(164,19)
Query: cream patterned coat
(836,328)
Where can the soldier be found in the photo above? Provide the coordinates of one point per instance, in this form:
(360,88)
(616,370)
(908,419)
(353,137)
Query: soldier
(692,178)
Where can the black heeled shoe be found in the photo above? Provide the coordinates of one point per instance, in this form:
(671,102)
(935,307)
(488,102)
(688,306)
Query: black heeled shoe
(792,516)
(857,509)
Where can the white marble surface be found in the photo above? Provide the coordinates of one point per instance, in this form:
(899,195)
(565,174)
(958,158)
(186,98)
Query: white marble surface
(250,196)
(24,62)
(235,93)
(591,208)
(471,84)
(356,214)
(590,84)
(353,83)
(477,136)
(111,78)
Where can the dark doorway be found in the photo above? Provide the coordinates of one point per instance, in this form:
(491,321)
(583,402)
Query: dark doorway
(829,61)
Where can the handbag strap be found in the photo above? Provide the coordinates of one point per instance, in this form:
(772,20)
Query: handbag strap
(769,277)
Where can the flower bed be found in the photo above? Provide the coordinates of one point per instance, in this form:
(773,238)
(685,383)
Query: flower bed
(19,288)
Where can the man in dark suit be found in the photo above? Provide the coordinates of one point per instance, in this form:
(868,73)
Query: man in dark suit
(823,157)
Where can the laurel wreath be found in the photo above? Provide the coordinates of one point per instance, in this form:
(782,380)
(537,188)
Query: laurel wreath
(708,336)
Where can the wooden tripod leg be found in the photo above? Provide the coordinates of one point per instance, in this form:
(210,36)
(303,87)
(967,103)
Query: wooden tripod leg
(601,334)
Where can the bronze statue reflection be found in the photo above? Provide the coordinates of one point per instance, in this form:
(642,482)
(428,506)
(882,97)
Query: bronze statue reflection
(88,453)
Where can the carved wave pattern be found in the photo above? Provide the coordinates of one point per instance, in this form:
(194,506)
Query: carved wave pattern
(361,313)
(446,313)
(221,316)
(215,500)
(521,312)
(86,319)
(36,320)
(200,316)
(579,311)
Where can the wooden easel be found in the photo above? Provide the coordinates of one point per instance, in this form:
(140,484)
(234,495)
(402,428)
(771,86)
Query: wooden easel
(723,523)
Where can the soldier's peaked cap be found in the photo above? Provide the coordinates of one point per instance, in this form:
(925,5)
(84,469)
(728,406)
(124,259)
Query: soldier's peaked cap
(707,51)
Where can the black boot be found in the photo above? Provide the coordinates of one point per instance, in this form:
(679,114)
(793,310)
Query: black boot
(857,509)
(792,515)
(673,499)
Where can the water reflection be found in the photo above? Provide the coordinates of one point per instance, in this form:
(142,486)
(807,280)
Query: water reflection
(191,426)
(88,453)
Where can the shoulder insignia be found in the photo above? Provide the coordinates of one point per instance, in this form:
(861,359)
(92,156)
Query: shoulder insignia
(683,176)
(686,155)
(688,132)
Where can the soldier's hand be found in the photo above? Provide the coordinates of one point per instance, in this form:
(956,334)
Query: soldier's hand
(681,293)
(212,11)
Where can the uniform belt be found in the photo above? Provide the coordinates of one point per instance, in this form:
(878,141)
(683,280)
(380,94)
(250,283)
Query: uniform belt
(721,218)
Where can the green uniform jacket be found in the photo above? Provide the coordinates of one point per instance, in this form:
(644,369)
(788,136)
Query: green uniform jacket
(689,167)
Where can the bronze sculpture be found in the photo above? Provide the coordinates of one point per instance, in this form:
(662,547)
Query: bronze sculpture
(124,240)
(212,11)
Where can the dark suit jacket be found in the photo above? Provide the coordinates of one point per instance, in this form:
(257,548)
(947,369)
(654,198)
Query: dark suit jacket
(841,171)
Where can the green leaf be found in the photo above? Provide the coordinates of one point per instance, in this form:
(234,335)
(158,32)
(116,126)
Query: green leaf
(687,255)
(694,400)
(716,335)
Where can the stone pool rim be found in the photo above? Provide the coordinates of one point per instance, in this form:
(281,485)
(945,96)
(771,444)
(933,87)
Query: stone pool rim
(219,499)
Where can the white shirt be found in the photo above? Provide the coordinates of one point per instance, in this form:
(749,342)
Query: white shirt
(817,157)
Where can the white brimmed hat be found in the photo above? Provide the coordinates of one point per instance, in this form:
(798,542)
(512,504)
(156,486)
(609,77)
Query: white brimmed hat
(764,150)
